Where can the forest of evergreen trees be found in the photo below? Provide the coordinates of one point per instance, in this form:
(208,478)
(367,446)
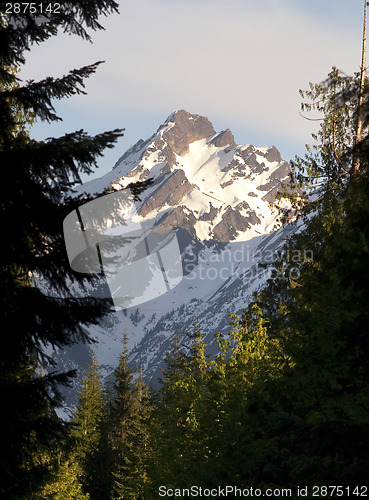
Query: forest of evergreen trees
(284,403)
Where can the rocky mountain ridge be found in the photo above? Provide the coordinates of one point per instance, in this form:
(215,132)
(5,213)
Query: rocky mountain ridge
(203,181)
(216,196)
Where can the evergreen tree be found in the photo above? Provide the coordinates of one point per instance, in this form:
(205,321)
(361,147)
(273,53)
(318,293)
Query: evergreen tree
(36,180)
(284,401)
(181,419)
(77,469)
(315,419)
(65,481)
(90,449)
(129,411)
(200,423)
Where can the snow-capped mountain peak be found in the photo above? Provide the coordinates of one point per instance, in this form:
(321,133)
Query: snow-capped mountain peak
(203,181)
(217,197)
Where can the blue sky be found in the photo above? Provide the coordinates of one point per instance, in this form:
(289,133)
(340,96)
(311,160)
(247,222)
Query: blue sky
(241,63)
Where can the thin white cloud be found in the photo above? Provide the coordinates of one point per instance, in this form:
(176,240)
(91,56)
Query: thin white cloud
(241,60)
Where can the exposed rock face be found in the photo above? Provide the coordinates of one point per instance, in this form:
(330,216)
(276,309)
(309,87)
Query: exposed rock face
(171,191)
(273,186)
(234,164)
(215,195)
(226,184)
(281,172)
(224,138)
(273,155)
(243,205)
(179,217)
(170,158)
(187,128)
(252,161)
(209,216)
(232,222)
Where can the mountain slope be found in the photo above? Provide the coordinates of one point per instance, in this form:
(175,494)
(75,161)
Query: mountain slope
(216,196)
(203,181)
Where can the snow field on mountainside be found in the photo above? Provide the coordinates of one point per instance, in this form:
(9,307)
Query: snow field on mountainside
(218,186)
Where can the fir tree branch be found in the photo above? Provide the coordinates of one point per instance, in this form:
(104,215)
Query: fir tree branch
(38,95)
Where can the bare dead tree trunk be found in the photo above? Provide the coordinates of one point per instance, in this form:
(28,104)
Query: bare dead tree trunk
(360,118)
